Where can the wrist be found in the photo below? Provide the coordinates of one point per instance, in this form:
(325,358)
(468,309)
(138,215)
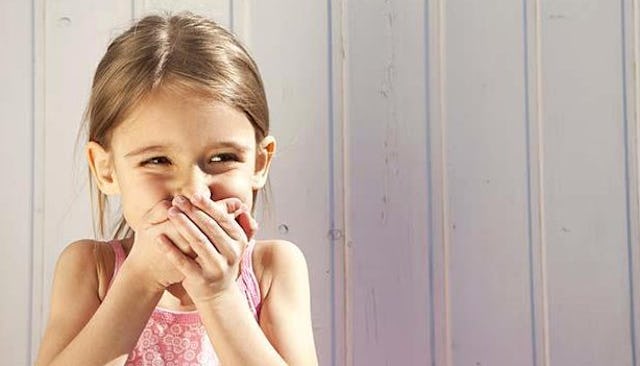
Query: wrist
(140,277)
(222,300)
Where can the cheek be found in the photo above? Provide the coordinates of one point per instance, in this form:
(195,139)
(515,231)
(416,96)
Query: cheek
(232,185)
(139,196)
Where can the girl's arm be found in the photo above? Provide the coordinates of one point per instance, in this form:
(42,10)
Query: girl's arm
(83,331)
(284,335)
(285,317)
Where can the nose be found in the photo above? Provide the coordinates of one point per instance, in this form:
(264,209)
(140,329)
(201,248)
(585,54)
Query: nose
(195,180)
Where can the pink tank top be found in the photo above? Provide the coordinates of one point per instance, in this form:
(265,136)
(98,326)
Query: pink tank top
(179,338)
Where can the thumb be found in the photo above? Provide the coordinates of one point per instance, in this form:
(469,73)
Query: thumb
(248,223)
(241,213)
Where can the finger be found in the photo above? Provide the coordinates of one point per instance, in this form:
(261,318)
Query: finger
(248,223)
(232,204)
(158,213)
(228,249)
(207,251)
(221,211)
(169,229)
(230,242)
(184,264)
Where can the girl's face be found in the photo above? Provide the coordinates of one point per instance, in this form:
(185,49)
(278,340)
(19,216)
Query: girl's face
(174,145)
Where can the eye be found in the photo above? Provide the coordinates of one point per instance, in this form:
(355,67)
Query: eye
(156,160)
(222,158)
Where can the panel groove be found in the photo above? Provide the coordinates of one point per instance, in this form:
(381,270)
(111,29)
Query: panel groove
(529,173)
(30,340)
(535,190)
(635,173)
(430,210)
(347,274)
(331,158)
(38,295)
(437,225)
(443,163)
(630,170)
(544,291)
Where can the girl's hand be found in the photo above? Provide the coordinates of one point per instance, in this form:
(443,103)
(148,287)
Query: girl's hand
(146,253)
(218,233)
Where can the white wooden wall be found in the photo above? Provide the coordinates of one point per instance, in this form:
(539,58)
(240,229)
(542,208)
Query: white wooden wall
(16,193)
(461,174)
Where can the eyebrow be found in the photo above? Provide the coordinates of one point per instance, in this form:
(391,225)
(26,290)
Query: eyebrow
(159,147)
(145,149)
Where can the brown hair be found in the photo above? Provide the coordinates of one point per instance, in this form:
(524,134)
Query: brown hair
(184,50)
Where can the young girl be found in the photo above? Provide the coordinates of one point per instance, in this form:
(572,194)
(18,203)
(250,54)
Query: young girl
(178,129)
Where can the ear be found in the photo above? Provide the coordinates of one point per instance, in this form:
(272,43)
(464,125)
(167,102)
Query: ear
(102,169)
(264,154)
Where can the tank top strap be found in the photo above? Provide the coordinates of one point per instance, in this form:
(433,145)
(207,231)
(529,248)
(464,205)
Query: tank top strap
(120,255)
(248,280)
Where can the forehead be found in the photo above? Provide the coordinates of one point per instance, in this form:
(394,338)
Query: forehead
(182,120)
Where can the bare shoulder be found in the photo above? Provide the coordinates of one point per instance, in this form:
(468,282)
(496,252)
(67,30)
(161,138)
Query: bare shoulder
(81,254)
(75,286)
(87,261)
(276,258)
(285,317)
(77,256)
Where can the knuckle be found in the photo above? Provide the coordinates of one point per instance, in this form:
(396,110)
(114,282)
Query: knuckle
(207,278)
(225,219)
(233,204)
(180,261)
(205,203)
(233,257)
(209,226)
(200,240)
(219,207)
(234,254)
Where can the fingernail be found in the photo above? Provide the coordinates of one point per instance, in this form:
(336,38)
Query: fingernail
(197,197)
(180,201)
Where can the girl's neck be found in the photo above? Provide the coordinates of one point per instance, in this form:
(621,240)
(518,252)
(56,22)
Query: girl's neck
(175,297)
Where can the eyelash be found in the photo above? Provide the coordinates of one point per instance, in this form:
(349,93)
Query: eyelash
(150,161)
(224,158)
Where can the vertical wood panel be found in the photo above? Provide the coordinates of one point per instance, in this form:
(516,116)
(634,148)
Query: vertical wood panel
(388,183)
(488,183)
(16,198)
(341,338)
(292,53)
(585,183)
